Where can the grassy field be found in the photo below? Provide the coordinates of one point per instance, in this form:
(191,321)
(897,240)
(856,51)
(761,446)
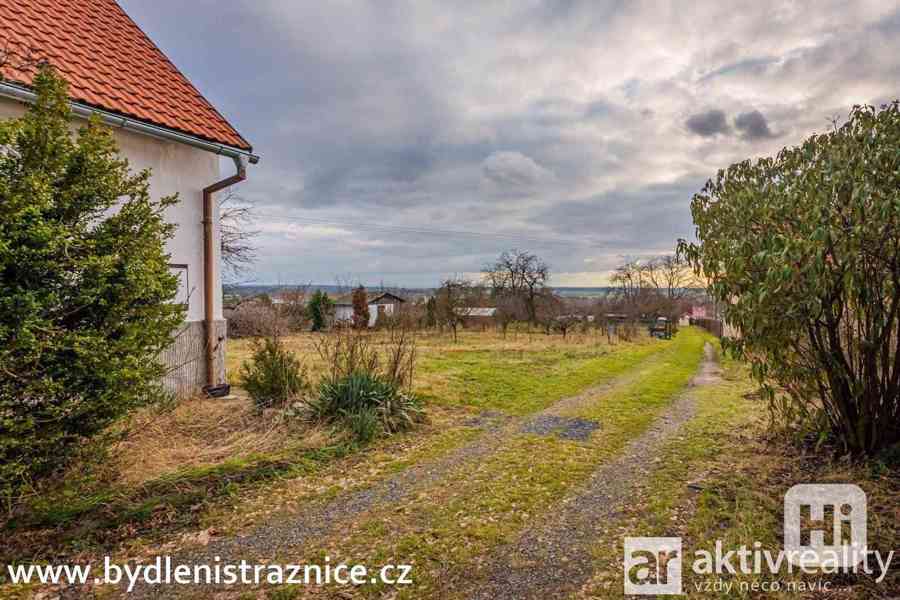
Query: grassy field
(213,463)
(219,468)
(518,373)
(447,530)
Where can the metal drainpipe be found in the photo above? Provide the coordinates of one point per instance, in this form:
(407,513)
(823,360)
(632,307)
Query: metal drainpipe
(209,265)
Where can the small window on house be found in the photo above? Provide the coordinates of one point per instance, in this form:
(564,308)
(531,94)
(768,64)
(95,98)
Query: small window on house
(182,296)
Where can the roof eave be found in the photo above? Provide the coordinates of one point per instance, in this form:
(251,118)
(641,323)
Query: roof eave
(25,94)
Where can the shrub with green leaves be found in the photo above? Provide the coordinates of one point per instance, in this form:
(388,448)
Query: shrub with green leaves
(366,404)
(85,291)
(319,310)
(273,376)
(802,252)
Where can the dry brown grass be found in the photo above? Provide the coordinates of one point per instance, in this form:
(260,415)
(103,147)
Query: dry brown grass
(200,432)
(428,343)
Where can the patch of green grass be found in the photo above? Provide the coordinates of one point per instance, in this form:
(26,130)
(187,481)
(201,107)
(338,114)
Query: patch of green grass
(441,444)
(631,409)
(525,381)
(446,530)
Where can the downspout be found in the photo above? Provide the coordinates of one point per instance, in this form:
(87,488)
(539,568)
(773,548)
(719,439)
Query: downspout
(240,157)
(209,266)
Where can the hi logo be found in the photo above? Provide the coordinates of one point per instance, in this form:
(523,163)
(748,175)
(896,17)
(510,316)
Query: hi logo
(825,525)
(653,565)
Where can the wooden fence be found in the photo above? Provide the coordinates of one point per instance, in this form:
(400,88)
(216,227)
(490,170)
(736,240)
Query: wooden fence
(713,326)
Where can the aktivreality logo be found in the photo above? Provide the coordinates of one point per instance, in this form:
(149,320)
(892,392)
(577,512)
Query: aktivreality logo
(653,565)
(825,532)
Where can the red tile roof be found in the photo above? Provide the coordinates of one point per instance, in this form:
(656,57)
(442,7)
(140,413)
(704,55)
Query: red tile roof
(109,63)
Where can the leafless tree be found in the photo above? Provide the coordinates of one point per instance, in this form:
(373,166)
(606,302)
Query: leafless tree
(549,310)
(672,276)
(451,300)
(518,273)
(509,310)
(659,286)
(236,236)
(629,277)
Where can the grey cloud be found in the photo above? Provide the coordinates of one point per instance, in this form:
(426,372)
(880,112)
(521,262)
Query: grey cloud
(709,123)
(543,118)
(652,217)
(890,25)
(752,125)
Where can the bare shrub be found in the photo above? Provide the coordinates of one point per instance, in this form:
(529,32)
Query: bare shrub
(293,308)
(347,351)
(627,331)
(256,319)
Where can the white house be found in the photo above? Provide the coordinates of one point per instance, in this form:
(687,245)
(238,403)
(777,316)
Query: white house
(381,303)
(161,122)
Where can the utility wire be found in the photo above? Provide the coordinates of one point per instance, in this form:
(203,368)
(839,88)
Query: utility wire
(379,228)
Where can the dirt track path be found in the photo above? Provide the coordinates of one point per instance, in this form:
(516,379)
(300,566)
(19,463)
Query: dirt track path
(552,559)
(321,518)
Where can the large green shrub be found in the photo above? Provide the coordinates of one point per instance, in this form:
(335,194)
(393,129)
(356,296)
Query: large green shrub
(802,252)
(273,376)
(85,286)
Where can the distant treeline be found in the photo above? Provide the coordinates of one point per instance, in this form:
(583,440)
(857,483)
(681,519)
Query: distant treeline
(246,290)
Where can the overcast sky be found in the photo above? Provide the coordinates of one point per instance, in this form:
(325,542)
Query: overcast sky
(402,142)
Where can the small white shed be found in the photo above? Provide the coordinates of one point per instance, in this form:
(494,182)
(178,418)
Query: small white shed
(380,303)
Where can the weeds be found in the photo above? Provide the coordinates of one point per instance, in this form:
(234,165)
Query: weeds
(367,389)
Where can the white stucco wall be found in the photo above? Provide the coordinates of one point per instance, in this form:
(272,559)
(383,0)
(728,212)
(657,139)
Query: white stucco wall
(176,168)
(373,312)
(343,313)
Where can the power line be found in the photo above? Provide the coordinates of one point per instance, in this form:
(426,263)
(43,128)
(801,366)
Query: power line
(380,228)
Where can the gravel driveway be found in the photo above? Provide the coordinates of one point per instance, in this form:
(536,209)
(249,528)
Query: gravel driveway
(552,559)
(319,519)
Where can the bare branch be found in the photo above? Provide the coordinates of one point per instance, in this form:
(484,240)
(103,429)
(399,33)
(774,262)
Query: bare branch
(236,238)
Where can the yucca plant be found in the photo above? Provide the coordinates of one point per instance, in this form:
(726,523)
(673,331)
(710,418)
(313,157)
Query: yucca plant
(360,399)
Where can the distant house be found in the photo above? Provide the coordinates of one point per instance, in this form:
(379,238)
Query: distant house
(698,312)
(477,316)
(384,304)
(160,122)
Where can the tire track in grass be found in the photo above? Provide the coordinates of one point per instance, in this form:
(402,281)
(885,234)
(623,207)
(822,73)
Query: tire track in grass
(321,518)
(716,442)
(450,531)
(553,558)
